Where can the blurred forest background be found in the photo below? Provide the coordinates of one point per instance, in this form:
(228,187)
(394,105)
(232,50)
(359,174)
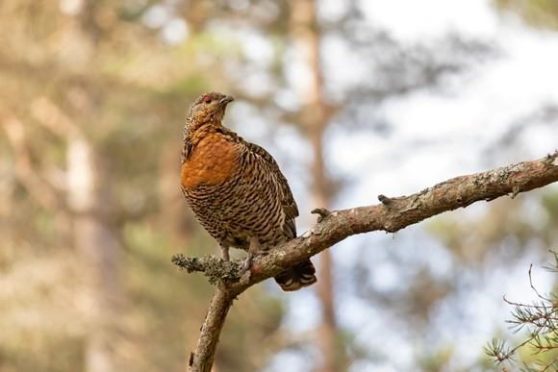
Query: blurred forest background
(352,98)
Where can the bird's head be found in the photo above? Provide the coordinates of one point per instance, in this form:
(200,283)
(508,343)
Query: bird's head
(209,108)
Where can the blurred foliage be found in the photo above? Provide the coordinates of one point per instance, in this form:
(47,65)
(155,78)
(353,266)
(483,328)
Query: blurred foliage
(472,241)
(507,231)
(100,69)
(538,13)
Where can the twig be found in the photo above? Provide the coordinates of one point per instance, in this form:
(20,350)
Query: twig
(540,319)
(539,295)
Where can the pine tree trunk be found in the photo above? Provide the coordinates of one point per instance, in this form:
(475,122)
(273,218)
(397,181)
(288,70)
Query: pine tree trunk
(88,197)
(306,36)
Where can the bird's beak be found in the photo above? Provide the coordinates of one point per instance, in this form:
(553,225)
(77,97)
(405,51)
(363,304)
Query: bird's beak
(226,100)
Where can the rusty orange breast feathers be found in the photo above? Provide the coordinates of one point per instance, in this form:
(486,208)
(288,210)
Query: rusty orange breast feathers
(212,161)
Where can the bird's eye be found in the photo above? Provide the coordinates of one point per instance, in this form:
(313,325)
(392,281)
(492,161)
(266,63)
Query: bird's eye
(207,99)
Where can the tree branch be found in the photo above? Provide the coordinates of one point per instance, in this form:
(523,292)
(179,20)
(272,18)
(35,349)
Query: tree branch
(391,215)
(202,359)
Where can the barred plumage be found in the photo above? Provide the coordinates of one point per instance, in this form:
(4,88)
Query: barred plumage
(236,189)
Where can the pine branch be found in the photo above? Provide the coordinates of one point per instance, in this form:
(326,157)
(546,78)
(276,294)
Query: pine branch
(540,319)
(391,215)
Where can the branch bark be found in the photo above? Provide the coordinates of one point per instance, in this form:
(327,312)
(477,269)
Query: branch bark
(391,215)
(202,359)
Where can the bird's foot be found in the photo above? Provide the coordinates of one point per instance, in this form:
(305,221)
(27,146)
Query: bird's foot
(247,264)
(245,272)
(253,250)
(225,253)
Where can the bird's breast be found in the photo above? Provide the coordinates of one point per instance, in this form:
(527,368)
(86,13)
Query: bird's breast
(211,162)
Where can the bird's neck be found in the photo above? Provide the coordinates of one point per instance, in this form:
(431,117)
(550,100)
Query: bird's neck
(196,130)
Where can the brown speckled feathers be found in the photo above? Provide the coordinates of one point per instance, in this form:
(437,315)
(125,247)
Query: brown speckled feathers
(236,188)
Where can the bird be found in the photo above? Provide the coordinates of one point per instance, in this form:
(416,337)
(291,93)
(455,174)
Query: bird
(236,189)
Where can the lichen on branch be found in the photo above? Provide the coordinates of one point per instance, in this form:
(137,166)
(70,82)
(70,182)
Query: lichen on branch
(214,268)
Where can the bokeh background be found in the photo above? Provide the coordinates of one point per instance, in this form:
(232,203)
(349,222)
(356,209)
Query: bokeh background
(353,98)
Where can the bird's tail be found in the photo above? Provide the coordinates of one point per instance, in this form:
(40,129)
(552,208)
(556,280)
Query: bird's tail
(296,277)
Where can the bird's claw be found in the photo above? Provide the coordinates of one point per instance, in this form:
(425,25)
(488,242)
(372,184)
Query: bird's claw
(247,264)
(245,267)
(225,253)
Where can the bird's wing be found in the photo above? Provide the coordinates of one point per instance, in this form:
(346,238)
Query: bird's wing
(287,199)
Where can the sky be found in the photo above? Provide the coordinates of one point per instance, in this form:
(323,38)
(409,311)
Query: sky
(475,116)
(463,127)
